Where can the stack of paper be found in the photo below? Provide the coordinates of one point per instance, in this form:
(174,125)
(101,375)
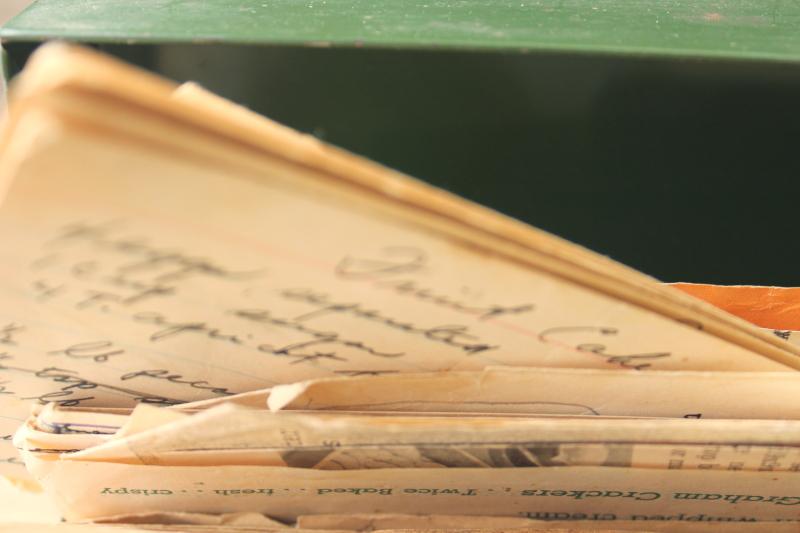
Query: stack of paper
(225,325)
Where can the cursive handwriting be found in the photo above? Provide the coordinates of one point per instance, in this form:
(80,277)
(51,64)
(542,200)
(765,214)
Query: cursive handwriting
(404,260)
(457,336)
(176,378)
(396,260)
(45,290)
(9,332)
(163,264)
(139,290)
(95,298)
(72,383)
(4,388)
(170,328)
(411,288)
(552,336)
(300,350)
(99,351)
(310,351)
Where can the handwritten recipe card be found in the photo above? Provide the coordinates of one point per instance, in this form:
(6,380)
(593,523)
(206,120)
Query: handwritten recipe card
(307,335)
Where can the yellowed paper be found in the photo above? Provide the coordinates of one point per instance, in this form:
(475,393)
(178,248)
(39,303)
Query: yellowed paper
(153,254)
(760,395)
(234,436)
(73,70)
(94,306)
(91,528)
(378,522)
(13,413)
(593,493)
(28,527)
(149,259)
(533,454)
(238,520)
(256,399)
(25,502)
(228,427)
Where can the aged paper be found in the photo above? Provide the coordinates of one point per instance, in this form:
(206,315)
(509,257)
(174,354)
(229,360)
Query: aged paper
(120,293)
(592,392)
(65,69)
(738,457)
(234,436)
(533,527)
(26,502)
(378,522)
(241,520)
(181,265)
(584,493)
(29,527)
(149,260)
(230,427)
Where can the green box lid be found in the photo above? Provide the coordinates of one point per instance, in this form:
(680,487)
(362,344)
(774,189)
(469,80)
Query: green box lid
(744,29)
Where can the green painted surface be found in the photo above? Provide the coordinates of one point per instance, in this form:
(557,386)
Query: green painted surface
(693,28)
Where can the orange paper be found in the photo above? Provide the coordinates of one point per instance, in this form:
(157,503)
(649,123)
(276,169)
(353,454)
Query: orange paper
(768,307)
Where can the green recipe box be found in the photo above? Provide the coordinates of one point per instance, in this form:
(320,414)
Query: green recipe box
(664,133)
